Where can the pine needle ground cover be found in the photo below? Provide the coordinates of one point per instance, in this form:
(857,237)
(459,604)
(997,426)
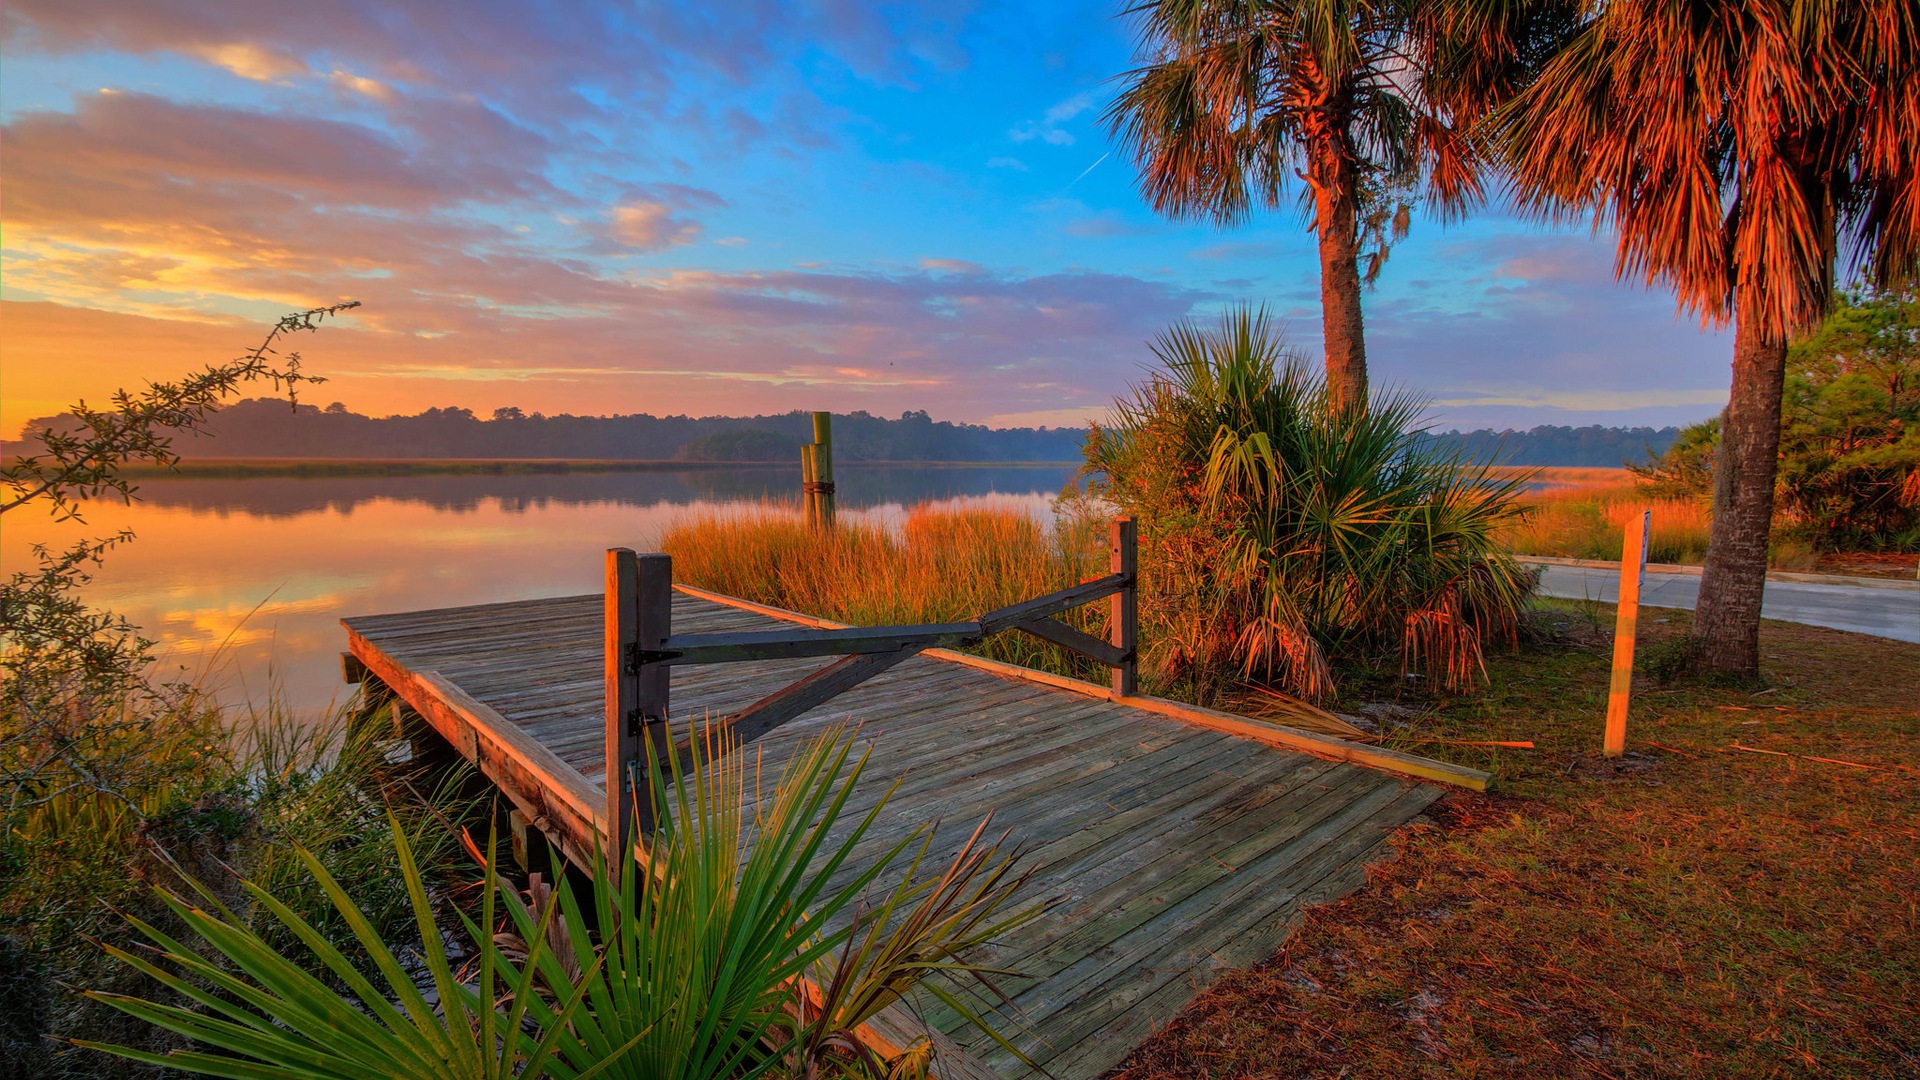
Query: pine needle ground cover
(1694,909)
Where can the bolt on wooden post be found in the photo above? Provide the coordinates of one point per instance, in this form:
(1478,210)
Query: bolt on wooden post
(1633,571)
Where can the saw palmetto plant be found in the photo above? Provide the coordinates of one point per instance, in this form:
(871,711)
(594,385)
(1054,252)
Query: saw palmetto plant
(1284,533)
(749,947)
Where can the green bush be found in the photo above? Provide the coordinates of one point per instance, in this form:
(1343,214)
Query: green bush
(1850,428)
(1283,537)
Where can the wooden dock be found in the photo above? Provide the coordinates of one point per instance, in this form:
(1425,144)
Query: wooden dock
(1176,840)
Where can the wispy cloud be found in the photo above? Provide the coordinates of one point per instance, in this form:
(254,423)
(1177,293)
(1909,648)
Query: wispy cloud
(1048,128)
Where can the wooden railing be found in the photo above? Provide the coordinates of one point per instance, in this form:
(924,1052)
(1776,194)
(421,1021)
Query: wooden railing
(641,649)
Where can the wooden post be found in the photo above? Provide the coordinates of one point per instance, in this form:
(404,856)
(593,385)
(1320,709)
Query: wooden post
(823,465)
(1633,570)
(639,612)
(1123,558)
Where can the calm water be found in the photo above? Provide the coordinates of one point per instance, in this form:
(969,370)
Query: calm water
(244,581)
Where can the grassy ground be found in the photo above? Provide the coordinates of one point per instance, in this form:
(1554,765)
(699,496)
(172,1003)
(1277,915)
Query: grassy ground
(1693,909)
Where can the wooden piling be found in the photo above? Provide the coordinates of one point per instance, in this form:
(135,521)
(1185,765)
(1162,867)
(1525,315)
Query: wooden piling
(1123,558)
(1633,567)
(821,484)
(809,501)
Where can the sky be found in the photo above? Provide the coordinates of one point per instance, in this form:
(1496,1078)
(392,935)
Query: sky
(705,209)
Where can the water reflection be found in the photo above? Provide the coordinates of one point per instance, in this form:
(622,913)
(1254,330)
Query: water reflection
(243,581)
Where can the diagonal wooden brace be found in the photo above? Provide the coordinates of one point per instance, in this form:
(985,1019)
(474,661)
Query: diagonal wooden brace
(821,686)
(1085,644)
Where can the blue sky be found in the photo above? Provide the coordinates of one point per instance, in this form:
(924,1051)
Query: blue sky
(728,209)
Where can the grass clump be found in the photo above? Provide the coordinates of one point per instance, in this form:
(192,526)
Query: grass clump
(940,565)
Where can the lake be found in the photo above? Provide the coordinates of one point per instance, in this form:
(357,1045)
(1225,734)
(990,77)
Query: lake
(243,580)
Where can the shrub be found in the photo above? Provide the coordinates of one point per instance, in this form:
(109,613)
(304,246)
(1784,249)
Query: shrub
(1283,536)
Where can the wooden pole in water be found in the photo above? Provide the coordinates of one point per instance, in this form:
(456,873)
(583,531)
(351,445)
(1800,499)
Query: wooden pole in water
(1123,558)
(809,499)
(1633,570)
(823,465)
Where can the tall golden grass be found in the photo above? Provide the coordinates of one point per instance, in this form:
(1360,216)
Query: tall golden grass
(940,564)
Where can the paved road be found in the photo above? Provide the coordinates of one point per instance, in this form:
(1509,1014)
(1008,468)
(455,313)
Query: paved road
(1890,613)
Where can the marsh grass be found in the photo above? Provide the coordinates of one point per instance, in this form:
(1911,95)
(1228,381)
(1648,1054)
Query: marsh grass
(1585,513)
(940,564)
(1586,521)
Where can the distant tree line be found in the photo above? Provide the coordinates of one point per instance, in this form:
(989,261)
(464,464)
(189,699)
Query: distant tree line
(264,427)
(270,428)
(1582,447)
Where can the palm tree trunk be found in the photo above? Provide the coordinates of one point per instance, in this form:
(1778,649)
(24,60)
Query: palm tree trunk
(1340,318)
(1726,623)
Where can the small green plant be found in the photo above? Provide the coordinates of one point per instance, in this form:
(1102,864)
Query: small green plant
(273,1018)
(1668,660)
(699,968)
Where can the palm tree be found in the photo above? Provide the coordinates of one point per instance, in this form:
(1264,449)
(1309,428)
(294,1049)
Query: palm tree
(1361,100)
(1743,151)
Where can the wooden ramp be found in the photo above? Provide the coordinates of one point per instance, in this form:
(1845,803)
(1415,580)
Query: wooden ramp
(1177,841)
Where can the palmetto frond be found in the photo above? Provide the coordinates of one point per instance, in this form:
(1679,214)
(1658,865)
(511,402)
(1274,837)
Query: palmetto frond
(1232,96)
(1753,146)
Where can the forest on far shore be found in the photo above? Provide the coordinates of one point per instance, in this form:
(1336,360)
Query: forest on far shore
(268,428)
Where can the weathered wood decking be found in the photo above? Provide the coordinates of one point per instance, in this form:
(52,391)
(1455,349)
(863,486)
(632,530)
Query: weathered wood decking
(1177,841)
